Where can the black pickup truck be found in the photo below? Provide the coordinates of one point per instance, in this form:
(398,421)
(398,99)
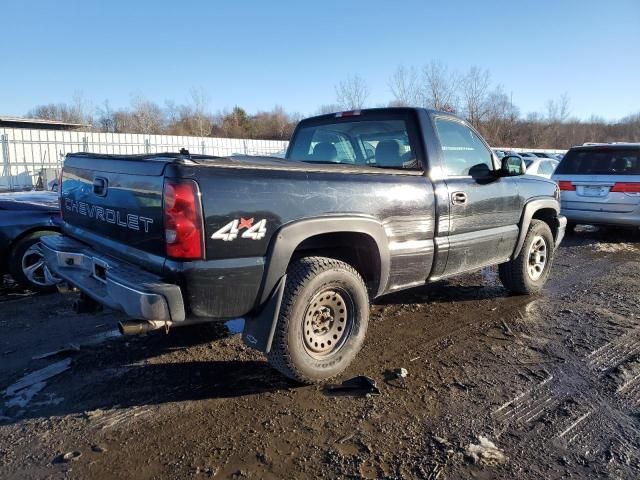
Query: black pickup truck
(365,203)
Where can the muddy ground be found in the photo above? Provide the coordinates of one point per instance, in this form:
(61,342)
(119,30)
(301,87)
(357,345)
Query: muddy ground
(552,381)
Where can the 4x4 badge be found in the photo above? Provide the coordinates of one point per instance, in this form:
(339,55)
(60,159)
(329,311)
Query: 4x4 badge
(232,229)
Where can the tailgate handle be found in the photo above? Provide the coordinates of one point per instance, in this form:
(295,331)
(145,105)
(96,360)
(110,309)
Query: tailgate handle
(100,186)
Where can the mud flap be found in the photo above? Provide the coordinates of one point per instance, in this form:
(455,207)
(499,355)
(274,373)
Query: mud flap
(259,330)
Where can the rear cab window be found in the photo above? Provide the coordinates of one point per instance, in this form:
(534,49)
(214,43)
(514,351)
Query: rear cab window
(600,161)
(373,140)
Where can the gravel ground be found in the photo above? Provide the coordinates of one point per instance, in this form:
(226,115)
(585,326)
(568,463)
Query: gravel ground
(498,386)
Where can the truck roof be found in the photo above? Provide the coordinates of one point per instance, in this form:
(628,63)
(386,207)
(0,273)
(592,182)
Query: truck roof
(608,146)
(368,111)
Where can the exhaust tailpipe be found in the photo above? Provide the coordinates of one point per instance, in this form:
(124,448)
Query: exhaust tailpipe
(136,327)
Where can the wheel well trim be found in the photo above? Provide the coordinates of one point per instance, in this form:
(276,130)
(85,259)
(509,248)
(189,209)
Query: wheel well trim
(530,209)
(290,236)
(24,234)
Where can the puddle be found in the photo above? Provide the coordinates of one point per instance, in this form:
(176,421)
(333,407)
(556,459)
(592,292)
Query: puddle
(100,337)
(490,276)
(235,325)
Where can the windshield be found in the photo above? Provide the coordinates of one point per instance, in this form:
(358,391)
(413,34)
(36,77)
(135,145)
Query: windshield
(375,143)
(601,162)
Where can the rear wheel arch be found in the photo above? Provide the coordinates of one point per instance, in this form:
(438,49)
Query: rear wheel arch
(357,249)
(359,241)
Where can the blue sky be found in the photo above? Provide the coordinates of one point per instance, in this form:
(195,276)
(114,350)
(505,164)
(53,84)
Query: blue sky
(292,53)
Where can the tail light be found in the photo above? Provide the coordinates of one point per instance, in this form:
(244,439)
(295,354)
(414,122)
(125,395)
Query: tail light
(626,187)
(183,230)
(350,113)
(566,185)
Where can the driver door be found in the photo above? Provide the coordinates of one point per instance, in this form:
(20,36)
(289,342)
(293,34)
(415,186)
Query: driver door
(484,208)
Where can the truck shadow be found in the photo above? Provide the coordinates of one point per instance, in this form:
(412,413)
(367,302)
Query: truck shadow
(189,364)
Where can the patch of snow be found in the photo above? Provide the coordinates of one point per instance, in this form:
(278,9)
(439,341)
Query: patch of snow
(235,325)
(614,247)
(23,391)
(486,452)
(23,397)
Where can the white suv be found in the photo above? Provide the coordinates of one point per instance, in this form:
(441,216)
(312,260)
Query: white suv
(600,184)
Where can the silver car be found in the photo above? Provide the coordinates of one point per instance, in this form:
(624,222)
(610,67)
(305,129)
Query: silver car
(542,167)
(600,184)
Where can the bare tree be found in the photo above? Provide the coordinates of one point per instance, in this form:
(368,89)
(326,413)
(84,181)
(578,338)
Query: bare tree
(202,123)
(146,116)
(404,87)
(474,89)
(106,121)
(558,110)
(75,112)
(273,125)
(352,93)
(501,118)
(329,108)
(440,87)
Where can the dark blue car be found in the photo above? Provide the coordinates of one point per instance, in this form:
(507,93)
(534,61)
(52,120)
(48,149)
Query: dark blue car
(24,218)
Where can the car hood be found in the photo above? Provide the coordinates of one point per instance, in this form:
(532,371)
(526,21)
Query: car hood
(47,201)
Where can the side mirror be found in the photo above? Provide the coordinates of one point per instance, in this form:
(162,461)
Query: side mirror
(513,166)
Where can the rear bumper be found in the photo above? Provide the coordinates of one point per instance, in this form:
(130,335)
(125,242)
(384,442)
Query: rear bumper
(602,218)
(120,286)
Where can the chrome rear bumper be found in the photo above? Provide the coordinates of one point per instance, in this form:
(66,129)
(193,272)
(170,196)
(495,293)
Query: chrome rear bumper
(116,284)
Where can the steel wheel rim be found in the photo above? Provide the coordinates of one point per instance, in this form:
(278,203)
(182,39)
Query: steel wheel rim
(538,255)
(327,322)
(35,269)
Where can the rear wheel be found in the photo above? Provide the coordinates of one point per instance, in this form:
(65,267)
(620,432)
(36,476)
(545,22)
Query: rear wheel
(528,272)
(27,266)
(323,320)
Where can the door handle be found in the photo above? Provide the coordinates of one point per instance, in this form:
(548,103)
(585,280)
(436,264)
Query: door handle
(458,198)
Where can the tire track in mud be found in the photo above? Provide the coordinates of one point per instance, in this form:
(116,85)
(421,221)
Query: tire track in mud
(618,361)
(587,404)
(105,419)
(572,414)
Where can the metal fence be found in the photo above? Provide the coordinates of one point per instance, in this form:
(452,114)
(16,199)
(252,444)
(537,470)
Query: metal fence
(33,158)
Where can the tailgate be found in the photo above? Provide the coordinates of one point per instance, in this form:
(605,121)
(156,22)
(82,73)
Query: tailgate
(115,197)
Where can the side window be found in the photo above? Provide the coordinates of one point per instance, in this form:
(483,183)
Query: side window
(461,148)
(546,168)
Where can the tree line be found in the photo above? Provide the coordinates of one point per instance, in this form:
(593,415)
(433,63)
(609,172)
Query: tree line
(471,94)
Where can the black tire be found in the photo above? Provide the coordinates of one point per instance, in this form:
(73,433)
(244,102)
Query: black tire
(571,228)
(524,275)
(316,290)
(25,252)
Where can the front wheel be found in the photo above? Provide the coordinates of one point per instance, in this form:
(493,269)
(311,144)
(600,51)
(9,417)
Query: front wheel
(322,322)
(528,272)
